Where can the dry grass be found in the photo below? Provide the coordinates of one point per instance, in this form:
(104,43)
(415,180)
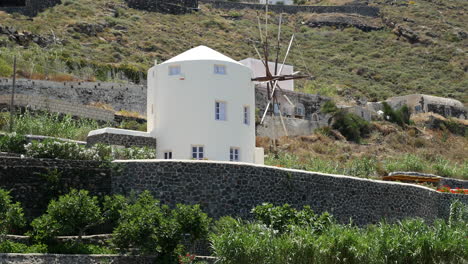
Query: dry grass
(130,114)
(386,141)
(101,105)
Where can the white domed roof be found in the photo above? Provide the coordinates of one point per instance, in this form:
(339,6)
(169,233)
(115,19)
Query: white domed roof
(201,53)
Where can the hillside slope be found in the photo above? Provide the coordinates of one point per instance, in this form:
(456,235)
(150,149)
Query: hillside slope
(421,47)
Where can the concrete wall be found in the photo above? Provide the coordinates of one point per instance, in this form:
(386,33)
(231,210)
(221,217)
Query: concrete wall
(235,188)
(120,96)
(345,9)
(35,102)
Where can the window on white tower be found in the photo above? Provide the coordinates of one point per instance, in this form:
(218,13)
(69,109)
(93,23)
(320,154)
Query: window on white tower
(174,70)
(220,69)
(168,155)
(220,111)
(234,154)
(198,152)
(246,115)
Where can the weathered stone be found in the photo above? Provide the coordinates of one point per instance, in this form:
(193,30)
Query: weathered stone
(234,189)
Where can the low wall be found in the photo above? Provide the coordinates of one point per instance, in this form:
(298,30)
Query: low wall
(36,102)
(33,182)
(235,188)
(292,9)
(74,259)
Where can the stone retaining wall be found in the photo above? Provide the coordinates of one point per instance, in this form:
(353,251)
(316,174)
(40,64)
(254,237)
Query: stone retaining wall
(292,9)
(28,182)
(31,7)
(120,96)
(121,140)
(74,259)
(35,102)
(235,188)
(453,183)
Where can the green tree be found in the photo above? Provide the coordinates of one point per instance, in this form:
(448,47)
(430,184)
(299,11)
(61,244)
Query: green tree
(155,228)
(72,214)
(11,214)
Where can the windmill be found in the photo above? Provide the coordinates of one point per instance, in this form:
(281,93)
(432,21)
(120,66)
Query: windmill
(272,80)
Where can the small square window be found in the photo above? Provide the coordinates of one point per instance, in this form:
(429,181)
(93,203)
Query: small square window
(234,154)
(168,155)
(198,152)
(220,111)
(220,69)
(174,70)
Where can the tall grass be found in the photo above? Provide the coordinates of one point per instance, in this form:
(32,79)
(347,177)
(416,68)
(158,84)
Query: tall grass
(368,167)
(409,241)
(48,124)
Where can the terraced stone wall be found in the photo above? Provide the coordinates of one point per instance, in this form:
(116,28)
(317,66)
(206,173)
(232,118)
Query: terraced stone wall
(235,188)
(33,182)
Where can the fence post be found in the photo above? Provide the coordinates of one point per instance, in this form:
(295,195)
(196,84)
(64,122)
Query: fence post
(12,103)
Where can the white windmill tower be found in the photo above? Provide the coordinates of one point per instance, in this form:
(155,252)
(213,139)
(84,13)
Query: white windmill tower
(201,106)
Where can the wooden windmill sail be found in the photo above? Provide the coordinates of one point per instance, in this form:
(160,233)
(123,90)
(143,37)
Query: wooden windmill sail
(273,79)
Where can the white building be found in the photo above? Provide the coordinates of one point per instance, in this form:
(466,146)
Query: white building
(201,105)
(258,70)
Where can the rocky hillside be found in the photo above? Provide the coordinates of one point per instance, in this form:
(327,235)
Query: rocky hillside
(416,46)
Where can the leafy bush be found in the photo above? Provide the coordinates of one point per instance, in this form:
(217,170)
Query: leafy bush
(13,143)
(400,116)
(153,228)
(353,127)
(54,149)
(79,248)
(13,247)
(71,214)
(11,214)
(283,218)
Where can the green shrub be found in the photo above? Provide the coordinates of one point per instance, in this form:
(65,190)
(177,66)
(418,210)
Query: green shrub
(79,248)
(153,228)
(283,218)
(353,127)
(11,214)
(13,247)
(6,70)
(400,116)
(112,207)
(55,149)
(13,143)
(72,214)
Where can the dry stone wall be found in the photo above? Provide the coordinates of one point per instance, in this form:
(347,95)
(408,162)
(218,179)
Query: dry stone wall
(121,140)
(120,96)
(234,189)
(74,259)
(35,102)
(292,9)
(28,180)
(27,7)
